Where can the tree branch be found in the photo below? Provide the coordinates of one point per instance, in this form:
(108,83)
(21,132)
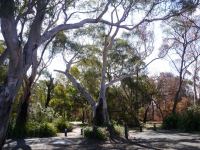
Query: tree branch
(80,88)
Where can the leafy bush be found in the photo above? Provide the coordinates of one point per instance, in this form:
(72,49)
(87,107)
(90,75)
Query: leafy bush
(171,122)
(98,133)
(40,114)
(88,132)
(61,125)
(119,130)
(47,130)
(34,129)
(188,120)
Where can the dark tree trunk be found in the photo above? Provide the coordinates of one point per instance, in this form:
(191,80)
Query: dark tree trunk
(98,115)
(101,117)
(83,115)
(5,110)
(23,114)
(176,99)
(48,97)
(152,111)
(145,115)
(50,87)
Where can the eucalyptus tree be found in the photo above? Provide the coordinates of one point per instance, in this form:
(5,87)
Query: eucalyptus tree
(42,20)
(116,62)
(36,19)
(179,45)
(100,109)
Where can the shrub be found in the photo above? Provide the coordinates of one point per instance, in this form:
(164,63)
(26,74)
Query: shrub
(61,125)
(69,127)
(98,133)
(40,114)
(34,129)
(88,132)
(119,130)
(188,120)
(171,121)
(47,130)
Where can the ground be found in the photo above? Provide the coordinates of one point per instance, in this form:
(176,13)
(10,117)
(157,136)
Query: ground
(146,140)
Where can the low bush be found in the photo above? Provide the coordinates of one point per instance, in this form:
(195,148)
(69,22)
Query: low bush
(171,121)
(34,129)
(61,125)
(119,130)
(188,120)
(99,133)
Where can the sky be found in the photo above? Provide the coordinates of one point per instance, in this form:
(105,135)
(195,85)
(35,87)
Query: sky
(154,68)
(159,65)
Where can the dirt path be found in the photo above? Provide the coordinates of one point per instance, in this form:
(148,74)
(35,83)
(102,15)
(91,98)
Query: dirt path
(147,140)
(76,133)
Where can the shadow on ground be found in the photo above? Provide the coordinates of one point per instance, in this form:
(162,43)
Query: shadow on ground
(145,140)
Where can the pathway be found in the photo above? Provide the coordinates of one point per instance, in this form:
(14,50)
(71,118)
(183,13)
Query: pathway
(147,140)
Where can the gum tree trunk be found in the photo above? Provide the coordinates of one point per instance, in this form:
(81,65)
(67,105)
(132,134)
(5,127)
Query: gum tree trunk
(50,87)
(20,58)
(5,109)
(23,112)
(7,96)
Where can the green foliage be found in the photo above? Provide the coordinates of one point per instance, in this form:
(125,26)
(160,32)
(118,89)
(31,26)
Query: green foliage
(98,133)
(34,129)
(119,130)
(40,114)
(75,72)
(171,122)
(61,125)
(188,120)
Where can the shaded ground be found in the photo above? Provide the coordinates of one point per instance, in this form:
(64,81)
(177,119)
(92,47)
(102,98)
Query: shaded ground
(148,139)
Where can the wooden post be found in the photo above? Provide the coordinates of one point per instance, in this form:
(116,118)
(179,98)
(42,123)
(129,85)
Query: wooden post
(126,130)
(154,127)
(140,128)
(66,132)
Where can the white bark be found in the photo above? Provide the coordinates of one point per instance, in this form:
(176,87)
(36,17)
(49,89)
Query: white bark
(80,88)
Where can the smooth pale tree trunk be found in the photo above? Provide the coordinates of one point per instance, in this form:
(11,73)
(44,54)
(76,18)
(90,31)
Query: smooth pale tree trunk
(194,82)
(101,116)
(100,113)
(19,60)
